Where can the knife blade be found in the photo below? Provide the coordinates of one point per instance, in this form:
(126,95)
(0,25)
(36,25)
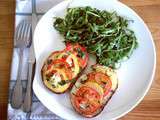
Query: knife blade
(31,49)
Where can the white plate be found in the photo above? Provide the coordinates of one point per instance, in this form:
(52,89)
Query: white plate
(135,74)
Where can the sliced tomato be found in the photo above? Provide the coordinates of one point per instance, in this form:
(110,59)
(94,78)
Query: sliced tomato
(64,59)
(58,55)
(70,61)
(73,47)
(96,87)
(80,53)
(55,58)
(101,79)
(87,100)
(83,61)
(67,57)
(61,72)
(108,87)
(74,64)
(62,65)
(59,63)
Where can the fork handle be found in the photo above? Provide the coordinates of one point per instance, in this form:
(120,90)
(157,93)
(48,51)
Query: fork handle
(28,97)
(17,94)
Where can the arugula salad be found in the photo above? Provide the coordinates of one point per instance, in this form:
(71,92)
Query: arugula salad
(103,33)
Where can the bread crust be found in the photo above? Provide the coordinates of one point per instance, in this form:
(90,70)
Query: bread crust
(109,96)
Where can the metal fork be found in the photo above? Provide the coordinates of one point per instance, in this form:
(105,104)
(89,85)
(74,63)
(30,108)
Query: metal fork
(22,41)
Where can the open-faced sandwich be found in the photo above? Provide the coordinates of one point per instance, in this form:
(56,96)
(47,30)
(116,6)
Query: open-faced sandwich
(62,67)
(92,91)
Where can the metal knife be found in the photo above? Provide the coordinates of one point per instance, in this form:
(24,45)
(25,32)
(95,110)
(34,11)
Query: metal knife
(31,61)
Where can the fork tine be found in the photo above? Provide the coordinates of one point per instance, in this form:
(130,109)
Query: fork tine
(16,35)
(23,31)
(19,33)
(18,30)
(22,35)
(27,34)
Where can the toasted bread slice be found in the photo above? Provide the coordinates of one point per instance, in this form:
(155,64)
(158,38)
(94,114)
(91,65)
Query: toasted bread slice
(93,82)
(61,68)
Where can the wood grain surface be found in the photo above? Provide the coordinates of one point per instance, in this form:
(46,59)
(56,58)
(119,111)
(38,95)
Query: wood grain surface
(149,10)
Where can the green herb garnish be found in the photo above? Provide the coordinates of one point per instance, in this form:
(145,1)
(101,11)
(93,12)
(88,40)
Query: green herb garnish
(63,82)
(80,53)
(49,61)
(103,33)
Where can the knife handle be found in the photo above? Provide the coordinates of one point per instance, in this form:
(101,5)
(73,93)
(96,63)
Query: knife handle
(28,96)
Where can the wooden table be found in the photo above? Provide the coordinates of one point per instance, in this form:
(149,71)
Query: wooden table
(149,10)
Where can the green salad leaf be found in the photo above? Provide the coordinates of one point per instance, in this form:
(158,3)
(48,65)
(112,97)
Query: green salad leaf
(103,33)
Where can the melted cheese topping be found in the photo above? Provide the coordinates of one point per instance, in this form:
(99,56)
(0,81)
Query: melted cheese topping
(55,79)
(110,72)
(52,84)
(76,65)
(95,86)
(60,71)
(58,89)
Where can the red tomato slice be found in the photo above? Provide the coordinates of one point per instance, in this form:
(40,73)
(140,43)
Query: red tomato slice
(72,47)
(80,52)
(87,100)
(101,79)
(61,64)
(64,59)
(83,62)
